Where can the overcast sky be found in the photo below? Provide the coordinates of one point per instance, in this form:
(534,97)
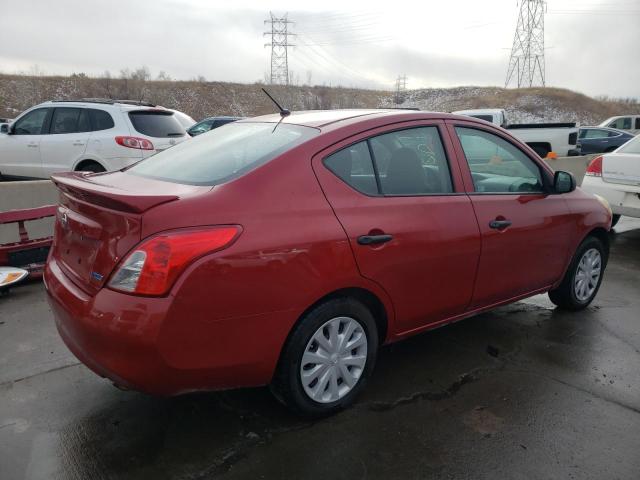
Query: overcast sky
(593,46)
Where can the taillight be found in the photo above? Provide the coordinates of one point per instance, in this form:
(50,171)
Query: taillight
(154,265)
(595,167)
(135,142)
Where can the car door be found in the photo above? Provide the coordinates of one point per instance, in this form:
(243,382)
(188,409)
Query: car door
(66,141)
(398,194)
(20,150)
(525,230)
(593,140)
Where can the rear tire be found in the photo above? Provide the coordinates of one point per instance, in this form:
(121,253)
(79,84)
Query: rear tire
(93,167)
(580,285)
(328,380)
(615,218)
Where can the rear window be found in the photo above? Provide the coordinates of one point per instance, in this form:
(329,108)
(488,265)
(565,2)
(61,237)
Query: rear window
(155,123)
(632,146)
(223,154)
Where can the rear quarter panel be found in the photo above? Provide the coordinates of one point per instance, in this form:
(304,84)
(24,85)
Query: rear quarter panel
(241,303)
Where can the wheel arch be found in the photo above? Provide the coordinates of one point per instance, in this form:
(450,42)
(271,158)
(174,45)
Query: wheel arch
(601,234)
(86,160)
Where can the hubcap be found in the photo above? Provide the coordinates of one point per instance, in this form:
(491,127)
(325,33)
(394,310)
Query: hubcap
(334,359)
(588,274)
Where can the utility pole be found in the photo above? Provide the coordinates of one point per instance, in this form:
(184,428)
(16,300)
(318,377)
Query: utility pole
(526,64)
(401,88)
(279,34)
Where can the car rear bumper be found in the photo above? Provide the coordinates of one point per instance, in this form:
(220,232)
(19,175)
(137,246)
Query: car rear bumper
(623,199)
(121,337)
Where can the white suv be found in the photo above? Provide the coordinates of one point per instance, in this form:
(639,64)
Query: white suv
(89,135)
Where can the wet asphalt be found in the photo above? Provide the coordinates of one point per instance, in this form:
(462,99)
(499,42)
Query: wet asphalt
(523,392)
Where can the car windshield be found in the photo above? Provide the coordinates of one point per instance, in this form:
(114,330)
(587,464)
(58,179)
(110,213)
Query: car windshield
(632,146)
(222,154)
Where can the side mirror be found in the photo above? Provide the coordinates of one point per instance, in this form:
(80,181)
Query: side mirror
(563,182)
(4,128)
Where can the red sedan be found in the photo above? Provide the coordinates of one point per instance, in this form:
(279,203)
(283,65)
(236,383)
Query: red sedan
(285,251)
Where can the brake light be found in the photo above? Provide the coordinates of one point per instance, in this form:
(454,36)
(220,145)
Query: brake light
(155,264)
(595,167)
(135,142)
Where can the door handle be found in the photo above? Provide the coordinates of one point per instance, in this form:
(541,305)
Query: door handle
(32,145)
(78,144)
(374,239)
(499,224)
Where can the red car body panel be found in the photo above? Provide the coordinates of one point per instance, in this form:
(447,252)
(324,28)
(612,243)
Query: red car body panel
(226,319)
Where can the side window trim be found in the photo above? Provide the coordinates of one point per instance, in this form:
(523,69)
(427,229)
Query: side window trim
(441,130)
(469,184)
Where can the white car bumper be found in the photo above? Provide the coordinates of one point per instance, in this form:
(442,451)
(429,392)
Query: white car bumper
(624,199)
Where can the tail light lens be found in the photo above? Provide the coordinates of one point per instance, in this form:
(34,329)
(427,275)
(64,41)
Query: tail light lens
(155,264)
(595,167)
(135,142)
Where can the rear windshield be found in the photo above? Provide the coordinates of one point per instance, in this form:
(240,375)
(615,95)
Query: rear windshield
(486,118)
(223,154)
(155,123)
(632,146)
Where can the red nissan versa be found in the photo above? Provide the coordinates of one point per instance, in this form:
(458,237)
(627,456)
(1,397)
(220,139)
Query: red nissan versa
(285,251)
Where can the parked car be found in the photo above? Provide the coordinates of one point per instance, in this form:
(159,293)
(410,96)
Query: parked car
(543,138)
(87,135)
(185,120)
(616,177)
(600,140)
(285,250)
(209,124)
(6,120)
(629,123)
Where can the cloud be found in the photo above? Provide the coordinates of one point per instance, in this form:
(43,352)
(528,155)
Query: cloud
(365,44)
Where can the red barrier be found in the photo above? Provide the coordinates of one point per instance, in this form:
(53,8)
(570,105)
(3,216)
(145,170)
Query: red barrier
(30,254)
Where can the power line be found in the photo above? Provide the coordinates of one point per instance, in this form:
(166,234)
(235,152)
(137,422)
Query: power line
(526,63)
(279,48)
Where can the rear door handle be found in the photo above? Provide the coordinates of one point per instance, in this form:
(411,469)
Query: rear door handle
(374,239)
(499,224)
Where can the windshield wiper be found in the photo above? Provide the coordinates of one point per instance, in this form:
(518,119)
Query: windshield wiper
(174,134)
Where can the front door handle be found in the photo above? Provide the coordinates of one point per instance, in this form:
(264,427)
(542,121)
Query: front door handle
(374,239)
(499,224)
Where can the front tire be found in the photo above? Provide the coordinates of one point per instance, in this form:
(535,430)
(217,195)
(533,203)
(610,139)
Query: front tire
(584,276)
(328,358)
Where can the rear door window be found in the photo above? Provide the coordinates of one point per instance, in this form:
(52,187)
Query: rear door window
(156,123)
(65,120)
(354,166)
(412,162)
(403,162)
(224,154)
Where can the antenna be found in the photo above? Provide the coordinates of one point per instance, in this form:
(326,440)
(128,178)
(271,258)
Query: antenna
(527,52)
(283,111)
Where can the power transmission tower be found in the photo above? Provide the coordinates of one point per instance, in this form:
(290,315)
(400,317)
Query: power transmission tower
(526,64)
(279,42)
(401,88)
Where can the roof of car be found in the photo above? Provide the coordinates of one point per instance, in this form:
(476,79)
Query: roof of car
(321,118)
(609,129)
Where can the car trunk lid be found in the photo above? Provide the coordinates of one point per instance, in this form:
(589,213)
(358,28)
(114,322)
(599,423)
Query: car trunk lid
(621,168)
(99,219)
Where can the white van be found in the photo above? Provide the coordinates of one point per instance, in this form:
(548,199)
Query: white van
(89,135)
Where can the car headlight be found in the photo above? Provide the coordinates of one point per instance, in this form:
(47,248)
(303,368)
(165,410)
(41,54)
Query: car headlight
(604,202)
